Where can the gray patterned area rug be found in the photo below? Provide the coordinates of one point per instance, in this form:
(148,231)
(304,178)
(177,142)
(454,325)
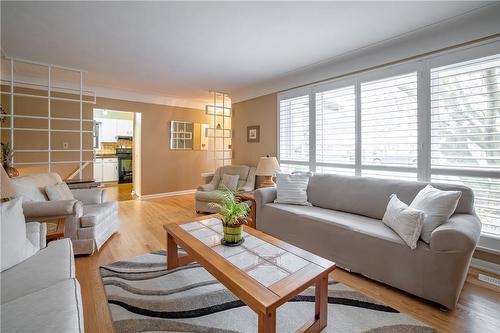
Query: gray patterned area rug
(145,297)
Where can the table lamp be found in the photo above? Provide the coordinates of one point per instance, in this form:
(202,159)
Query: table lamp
(6,189)
(267,167)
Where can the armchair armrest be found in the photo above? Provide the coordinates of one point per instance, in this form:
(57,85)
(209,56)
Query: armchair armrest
(40,210)
(250,183)
(206,187)
(460,233)
(36,232)
(89,196)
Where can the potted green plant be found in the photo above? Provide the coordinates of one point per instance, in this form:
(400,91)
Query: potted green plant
(233,214)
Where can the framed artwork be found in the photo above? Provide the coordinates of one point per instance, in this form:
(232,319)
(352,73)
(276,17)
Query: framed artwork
(253,133)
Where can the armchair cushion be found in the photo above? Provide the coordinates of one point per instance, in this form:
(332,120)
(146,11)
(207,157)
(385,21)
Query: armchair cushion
(89,196)
(32,187)
(58,192)
(95,214)
(52,208)
(230,182)
(50,265)
(15,246)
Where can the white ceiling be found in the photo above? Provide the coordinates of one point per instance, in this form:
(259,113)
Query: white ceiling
(182,50)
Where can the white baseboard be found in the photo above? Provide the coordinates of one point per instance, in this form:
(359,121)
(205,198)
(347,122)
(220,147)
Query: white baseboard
(166,194)
(485,266)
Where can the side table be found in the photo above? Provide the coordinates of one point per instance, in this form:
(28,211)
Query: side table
(248,196)
(55,229)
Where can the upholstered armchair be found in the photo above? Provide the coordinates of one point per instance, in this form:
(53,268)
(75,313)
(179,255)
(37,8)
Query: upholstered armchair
(210,192)
(89,220)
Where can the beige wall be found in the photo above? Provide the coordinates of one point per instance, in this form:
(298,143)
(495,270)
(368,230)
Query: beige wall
(258,111)
(164,170)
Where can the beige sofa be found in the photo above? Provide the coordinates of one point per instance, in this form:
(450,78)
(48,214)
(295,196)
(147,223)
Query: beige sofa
(41,294)
(208,193)
(90,221)
(344,225)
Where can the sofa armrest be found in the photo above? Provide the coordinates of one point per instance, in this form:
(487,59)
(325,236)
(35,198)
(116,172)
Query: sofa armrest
(36,233)
(460,233)
(40,210)
(264,195)
(89,196)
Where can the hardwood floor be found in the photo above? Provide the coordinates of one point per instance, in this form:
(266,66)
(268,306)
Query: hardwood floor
(141,232)
(119,192)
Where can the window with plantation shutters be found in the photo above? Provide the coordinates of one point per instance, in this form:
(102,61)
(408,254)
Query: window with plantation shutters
(389,127)
(294,132)
(465,132)
(336,130)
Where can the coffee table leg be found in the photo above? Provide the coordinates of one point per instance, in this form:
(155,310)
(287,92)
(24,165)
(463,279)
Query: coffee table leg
(321,304)
(172,257)
(267,322)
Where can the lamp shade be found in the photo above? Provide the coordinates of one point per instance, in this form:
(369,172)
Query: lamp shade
(267,166)
(6,188)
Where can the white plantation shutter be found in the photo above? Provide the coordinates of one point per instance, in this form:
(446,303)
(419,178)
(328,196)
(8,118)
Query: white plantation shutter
(336,130)
(389,126)
(465,132)
(294,131)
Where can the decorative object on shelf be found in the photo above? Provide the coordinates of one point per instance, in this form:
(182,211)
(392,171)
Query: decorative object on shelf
(253,133)
(219,132)
(7,155)
(6,189)
(267,167)
(234,214)
(3,114)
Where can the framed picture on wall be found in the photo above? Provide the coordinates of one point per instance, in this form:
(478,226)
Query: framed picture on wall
(253,133)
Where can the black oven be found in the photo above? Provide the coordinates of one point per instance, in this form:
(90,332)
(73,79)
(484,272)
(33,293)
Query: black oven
(124,165)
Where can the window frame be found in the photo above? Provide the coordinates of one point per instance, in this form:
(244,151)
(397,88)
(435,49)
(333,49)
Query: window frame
(422,65)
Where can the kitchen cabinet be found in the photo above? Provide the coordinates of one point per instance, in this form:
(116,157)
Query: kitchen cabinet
(107,130)
(124,127)
(111,128)
(98,170)
(106,169)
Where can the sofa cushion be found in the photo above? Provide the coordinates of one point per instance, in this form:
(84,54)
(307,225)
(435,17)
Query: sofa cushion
(15,246)
(95,214)
(211,196)
(437,205)
(59,191)
(369,196)
(357,223)
(292,188)
(57,309)
(404,220)
(48,266)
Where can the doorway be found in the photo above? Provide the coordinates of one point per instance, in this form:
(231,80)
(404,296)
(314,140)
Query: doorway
(114,136)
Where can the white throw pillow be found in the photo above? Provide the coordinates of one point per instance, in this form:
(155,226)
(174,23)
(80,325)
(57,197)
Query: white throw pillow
(229,181)
(15,245)
(437,205)
(58,192)
(292,188)
(405,221)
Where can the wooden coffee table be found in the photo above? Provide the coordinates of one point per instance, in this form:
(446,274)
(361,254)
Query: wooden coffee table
(264,272)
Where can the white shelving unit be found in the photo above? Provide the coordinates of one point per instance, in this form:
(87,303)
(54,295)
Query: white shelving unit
(220,131)
(38,80)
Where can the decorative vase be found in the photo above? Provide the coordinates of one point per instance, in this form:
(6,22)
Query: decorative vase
(12,172)
(232,235)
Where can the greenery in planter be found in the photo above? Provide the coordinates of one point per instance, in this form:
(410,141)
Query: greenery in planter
(233,213)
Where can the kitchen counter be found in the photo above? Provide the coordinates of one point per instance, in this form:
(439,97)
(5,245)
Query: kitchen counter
(105,155)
